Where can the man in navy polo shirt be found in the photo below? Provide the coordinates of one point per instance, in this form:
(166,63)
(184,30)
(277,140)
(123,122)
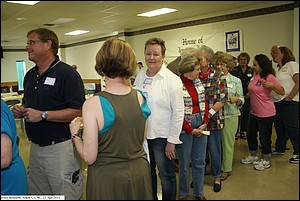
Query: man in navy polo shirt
(53,96)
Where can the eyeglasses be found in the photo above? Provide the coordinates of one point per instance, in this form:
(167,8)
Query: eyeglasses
(32,42)
(221,64)
(275,52)
(198,69)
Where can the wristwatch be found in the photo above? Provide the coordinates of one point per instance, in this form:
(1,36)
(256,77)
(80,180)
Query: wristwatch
(44,115)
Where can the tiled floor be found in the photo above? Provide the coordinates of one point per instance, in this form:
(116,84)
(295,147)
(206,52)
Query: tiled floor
(280,182)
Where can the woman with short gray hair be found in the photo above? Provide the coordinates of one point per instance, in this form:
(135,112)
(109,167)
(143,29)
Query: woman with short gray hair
(193,147)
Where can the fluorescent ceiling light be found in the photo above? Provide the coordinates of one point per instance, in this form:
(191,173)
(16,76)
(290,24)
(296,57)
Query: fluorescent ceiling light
(77,32)
(24,2)
(21,18)
(62,20)
(157,12)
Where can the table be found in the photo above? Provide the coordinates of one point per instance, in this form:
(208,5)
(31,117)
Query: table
(11,100)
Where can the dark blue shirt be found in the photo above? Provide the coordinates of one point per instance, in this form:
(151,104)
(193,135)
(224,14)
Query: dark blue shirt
(60,87)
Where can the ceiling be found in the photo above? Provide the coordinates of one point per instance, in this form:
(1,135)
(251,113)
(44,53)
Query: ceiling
(105,18)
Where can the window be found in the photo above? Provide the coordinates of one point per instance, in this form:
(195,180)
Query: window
(21,71)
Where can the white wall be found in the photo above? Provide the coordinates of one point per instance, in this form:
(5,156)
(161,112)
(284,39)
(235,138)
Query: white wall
(259,34)
(85,57)
(8,65)
(296,34)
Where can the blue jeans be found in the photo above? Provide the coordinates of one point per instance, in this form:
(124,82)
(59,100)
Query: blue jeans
(215,152)
(165,168)
(287,125)
(264,127)
(192,149)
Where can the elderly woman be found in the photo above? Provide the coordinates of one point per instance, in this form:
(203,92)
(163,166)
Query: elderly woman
(225,62)
(216,97)
(245,73)
(193,147)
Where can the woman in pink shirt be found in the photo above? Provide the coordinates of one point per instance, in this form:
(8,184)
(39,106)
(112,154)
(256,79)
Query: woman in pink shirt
(262,111)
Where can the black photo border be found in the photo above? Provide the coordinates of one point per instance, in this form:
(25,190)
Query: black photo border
(238,41)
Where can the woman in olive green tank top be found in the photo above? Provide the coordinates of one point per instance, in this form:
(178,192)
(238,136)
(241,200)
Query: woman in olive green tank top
(114,122)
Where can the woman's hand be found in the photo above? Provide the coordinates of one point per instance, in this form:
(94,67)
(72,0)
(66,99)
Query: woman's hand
(202,128)
(17,111)
(170,151)
(75,125)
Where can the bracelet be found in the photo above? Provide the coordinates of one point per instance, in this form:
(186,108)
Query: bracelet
(74,136)
(212,111)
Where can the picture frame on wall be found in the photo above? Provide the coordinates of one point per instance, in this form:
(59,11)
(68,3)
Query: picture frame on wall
(233,41)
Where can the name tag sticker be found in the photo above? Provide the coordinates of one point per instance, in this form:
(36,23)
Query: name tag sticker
(148,81)
(50,81)
(206,132)
(229,85)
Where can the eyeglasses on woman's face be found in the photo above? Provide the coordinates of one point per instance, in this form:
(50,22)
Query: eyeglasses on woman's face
(221,64)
